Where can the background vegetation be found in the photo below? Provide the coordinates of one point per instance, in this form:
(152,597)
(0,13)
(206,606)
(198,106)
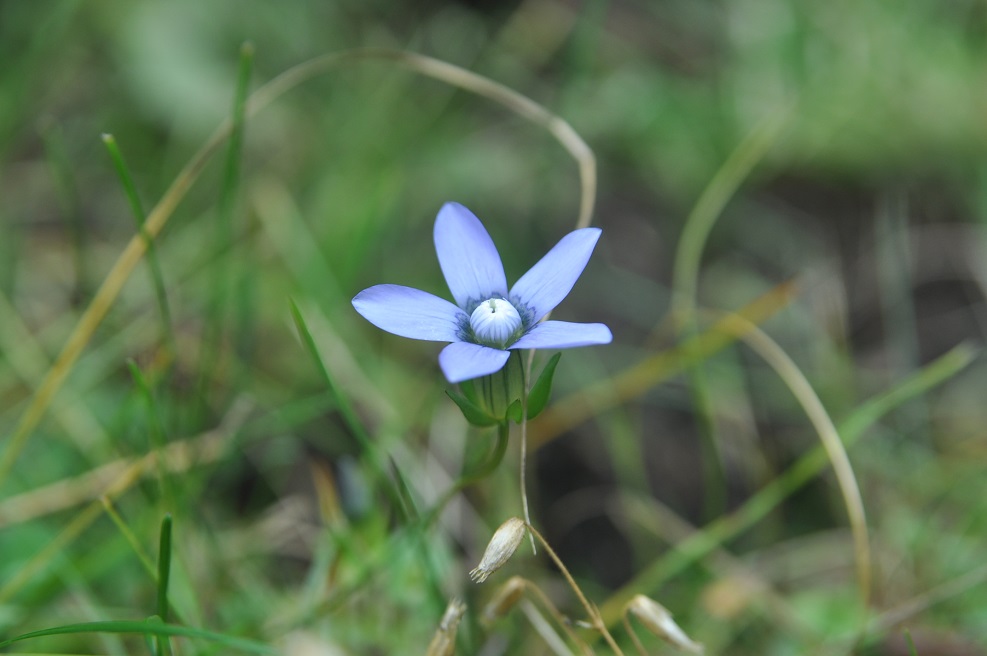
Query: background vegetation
(821,161)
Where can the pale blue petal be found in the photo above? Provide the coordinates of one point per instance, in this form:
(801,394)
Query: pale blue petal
(550,280)
(468,257)
(563,334)
(410,313)
(462,360)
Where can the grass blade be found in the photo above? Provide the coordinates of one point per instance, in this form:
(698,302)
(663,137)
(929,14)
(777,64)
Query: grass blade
(350,417)
(224,231)
(148,629)
(157,278)
(164,573)
(155,432)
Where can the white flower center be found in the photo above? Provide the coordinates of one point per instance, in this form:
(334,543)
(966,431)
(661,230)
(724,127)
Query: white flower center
(494,322)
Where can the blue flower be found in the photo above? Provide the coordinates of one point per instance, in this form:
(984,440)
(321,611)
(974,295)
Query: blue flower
(487,319)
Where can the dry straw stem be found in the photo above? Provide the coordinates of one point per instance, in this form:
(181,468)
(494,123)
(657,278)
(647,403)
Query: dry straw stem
(175,457)
(75,528)
(545,630)
(591,611)
(135,249)
(512,592)
(28,361)
(666,524)
(796,381)
(104,484)
(725,528)
(573,410)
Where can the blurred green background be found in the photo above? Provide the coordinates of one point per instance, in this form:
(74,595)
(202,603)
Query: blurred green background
(864,183)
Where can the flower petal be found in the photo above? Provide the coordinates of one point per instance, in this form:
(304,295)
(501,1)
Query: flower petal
(563,334)
(551,279)
(410,313)
(463,360)
(468,257)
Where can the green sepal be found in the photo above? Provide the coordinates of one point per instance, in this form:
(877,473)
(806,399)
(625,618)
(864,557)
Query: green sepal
(469,391)
(473,414)
(542,389)
(514,412)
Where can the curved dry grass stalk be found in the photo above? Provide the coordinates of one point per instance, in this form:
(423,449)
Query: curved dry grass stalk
(796,381)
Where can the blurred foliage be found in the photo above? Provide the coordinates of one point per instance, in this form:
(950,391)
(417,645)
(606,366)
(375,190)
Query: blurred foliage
(871,197)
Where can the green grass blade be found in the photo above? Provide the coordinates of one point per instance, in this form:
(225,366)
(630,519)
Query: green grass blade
(164,573)
(164,567)
(701,543)
(911,644)
(148,629)
(157,278)
(350,417)
(688,254)
(155,431)
(224,231)
(128,534)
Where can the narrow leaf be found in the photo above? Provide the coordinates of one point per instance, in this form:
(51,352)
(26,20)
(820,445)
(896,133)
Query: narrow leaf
(542,389)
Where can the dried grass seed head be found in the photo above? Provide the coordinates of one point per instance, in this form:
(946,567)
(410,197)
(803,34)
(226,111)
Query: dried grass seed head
(658,620)
(502,546)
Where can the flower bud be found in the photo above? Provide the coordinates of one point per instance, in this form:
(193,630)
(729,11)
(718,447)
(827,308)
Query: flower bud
(495,323)
(658,620)
(444,641)
(502,546)
(504,599)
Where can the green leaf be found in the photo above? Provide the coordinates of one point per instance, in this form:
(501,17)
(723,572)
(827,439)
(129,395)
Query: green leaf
(542,389)
(473,413)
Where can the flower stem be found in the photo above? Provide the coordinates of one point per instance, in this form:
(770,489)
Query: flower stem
(524,452)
